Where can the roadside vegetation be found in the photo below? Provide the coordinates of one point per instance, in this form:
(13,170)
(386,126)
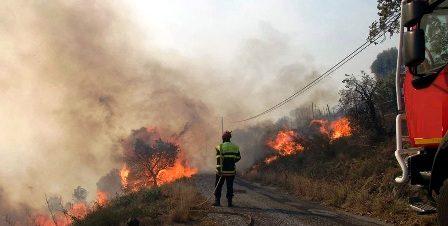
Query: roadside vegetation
(355,178)
(356,172)
(171,203)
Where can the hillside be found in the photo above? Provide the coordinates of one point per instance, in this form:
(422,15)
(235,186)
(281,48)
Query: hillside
(358,179)
(167,204)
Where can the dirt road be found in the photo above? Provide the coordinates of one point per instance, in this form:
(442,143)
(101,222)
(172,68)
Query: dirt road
(270,206)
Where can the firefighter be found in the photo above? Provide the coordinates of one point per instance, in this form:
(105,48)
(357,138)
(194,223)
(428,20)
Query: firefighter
(227,154)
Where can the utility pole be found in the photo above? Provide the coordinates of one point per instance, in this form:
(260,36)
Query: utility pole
(312,109)
(328,109)
(222,125)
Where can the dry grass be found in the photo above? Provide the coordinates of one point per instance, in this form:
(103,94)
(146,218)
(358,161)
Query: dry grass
(165,205)
(183,197)
(361,184)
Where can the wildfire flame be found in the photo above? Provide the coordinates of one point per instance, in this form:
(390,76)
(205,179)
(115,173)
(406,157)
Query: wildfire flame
(45,220)
(340,128)
(179,170)
(335,129)
(323,126)
(285,143)
(270,159)
(79,210)
(101,198)
(124,173)
(176,169)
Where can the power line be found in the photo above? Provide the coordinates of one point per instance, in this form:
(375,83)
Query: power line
(322,76)
(326,73)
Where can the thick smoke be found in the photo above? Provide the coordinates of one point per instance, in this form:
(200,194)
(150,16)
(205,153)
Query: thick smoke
(75,78)
(74,81)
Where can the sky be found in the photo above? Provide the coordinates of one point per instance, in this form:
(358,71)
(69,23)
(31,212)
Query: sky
(323,31)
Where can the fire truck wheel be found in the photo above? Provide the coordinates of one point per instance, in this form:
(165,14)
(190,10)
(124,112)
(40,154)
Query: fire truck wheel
(442,204)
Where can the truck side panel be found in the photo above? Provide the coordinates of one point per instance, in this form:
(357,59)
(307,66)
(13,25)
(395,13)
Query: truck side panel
(427,110)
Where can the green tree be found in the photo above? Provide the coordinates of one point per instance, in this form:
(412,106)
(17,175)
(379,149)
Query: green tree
(358,100)
(80,194)
(385,63)
(387,9)
(436,40)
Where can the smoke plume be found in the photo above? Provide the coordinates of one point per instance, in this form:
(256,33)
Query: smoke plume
(76,78)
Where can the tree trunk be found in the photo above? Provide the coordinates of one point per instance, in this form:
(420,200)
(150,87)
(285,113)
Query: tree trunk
(154,177)
(376,122)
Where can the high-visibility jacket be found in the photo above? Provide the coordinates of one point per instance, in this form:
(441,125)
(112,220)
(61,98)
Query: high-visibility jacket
(227,154)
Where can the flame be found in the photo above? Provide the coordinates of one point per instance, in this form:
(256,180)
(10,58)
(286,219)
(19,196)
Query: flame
(340,128)
(270,159)
(323,124)
(285,143)
(101,198)
(179,170)
(46,220)
(335,129)
(124,173)
(79,210)
(153,168)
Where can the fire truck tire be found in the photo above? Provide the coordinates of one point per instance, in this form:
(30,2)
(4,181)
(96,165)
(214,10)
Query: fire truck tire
(442,204)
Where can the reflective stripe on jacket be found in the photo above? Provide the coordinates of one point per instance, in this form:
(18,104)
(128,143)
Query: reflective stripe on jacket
(227,154)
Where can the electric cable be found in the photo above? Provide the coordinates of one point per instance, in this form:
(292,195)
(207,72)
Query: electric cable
(328,72)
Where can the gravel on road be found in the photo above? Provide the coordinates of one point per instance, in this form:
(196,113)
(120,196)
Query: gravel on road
(270,206)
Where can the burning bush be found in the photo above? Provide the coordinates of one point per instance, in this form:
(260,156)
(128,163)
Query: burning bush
(335,129)
(151,161)
(340,128)
(285,143)
(288,142)
(108,187)
(64,215)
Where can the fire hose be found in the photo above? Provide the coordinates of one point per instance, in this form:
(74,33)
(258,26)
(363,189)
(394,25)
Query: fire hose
(249,219)
(208,197)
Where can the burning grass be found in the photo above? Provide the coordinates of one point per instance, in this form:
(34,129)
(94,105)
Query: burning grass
(335,129)
(71,212)
(289,142)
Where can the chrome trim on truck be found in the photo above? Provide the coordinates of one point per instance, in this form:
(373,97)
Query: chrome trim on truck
(398,121)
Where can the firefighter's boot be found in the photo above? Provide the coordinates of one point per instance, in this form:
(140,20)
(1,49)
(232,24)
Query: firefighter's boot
(217,202)
(229,202)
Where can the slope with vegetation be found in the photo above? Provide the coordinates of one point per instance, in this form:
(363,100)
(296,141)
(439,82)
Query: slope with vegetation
(167,204)
(355,173)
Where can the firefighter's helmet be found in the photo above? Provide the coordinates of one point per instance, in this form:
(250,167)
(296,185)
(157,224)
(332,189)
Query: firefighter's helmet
(227,135)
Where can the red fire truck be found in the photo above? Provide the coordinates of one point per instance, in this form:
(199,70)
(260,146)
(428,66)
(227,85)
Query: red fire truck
(422,100)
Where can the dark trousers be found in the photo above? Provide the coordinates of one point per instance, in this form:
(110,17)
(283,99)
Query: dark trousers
(229,184)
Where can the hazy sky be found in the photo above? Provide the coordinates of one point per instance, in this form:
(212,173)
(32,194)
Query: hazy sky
(323,31)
